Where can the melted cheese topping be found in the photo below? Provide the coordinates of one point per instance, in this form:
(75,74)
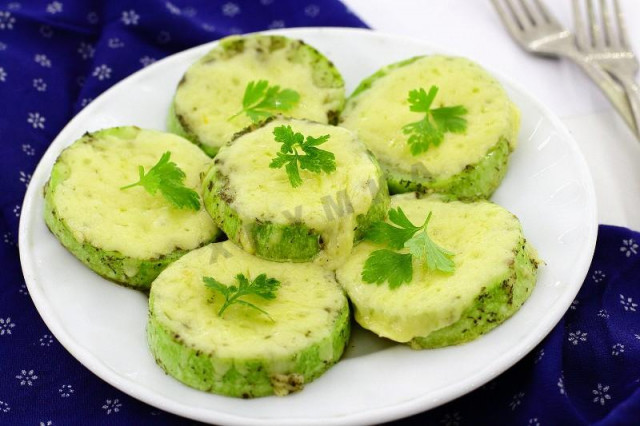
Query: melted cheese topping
(304,311)
(483,237)
(213,91)
(378,114)
(132,221)
(327,203)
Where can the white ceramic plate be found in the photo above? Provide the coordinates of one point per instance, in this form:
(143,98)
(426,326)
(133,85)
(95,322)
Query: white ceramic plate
(548,187)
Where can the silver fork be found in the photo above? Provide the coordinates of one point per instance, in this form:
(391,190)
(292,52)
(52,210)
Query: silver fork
(533,27)
(609,48)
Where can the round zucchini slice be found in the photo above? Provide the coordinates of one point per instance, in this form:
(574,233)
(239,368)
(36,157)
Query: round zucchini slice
(211,93)
(246,352)
(495,272)
(320,220)
(468,163)
(128,236)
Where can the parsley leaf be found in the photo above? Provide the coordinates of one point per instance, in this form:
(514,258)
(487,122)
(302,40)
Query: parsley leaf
(387,265)
(314,159)
(436,122)
(428,252)
(262,286)
(168,178)
(397,268)
(260,100)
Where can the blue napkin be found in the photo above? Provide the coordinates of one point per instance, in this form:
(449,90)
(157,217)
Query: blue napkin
(57,56)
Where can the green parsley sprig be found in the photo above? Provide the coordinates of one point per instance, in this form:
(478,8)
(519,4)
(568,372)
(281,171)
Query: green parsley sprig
(397,268)
(260,100)
(168,178)
(435,123)
(314,159)
(262,286)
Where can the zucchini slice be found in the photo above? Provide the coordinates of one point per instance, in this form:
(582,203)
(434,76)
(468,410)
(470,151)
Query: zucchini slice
(468,165)
(258,208)
(127,236)
(212,89)
(244,353)
(495,272)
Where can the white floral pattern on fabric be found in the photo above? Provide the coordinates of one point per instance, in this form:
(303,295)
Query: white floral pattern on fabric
(278,23)
(4,407)
(574,305)
(230,9)
(102,72)
(576,337)
(312,10)
(173,9)
(14,5)
(208,27)
(42,60)
(36,120)
(115,43)
(629,247)
(617,349)
(147,60)
(86,50)
(451,419)
(534,422)
(3,75)
(85,101)
(516,401)
(601,394)
(539,356)
(46,340)
(66,391)
(25,178)
(27,377)
(28,149)
(189,12)
(54,7)
(46,423)
(112,406)
(598,276)
(8,238)
(637,336)
(46,31)
(6,325)
(628,304)
(3,46)
(6,20)
(266,2)
(39,84)
(130,17)
(560,384)
(23,290)
(16,211)
(602,313)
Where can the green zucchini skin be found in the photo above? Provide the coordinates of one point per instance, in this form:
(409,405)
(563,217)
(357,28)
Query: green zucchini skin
(323,72)
(244,378)
(125,270)
(492,307)
(477,180)
(243,354)
(291,242)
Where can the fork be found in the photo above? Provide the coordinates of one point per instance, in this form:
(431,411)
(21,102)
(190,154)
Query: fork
(609,49)
(533,27)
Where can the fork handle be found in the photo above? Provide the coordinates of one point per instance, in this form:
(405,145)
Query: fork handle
(610,88)
(633,96)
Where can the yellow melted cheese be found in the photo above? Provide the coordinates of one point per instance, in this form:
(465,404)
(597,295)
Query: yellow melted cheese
(213,91)
(132,222)
(327,203)
(378,114)
(304,312)
(482,236)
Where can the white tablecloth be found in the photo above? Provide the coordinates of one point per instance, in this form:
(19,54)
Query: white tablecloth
(472,28)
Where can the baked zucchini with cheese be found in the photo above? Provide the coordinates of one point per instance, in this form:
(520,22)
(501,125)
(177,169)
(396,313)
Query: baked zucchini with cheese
(457,142)
(210,97)
(287,342)
(127,236)
(258,208)
(495,272)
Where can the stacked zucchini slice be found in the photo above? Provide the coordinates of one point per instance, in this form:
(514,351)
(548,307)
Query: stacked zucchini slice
(267,311)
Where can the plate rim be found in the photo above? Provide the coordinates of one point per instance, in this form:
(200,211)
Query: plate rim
(374,415)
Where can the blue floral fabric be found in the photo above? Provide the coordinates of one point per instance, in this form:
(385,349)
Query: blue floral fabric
(56,56)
